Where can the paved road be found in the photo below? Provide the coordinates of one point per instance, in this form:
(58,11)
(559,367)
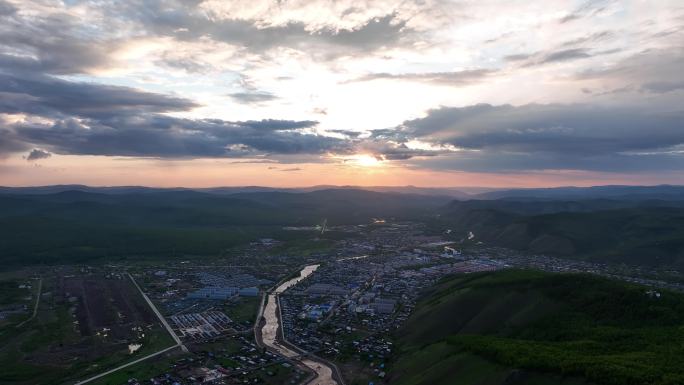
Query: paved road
(160,316)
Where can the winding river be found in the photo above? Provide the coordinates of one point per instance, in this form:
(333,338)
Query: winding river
(270,330)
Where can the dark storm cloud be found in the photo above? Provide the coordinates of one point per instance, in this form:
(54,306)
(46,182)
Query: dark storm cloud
(252,97)
(95,119)
(36,154)
(48,96)
(551,136)
(445,78)
(163,136)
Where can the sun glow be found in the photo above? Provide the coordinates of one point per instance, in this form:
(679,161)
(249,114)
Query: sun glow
(363,160)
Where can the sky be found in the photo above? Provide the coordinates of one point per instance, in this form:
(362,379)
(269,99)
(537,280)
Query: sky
(353,92)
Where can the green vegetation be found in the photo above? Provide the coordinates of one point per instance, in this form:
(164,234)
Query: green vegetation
(50,350)
(75,226)
(649,235)
(141,371)
(527,327)
(244,309)
(10,293)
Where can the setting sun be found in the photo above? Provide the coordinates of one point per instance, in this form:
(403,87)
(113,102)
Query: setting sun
(363,160)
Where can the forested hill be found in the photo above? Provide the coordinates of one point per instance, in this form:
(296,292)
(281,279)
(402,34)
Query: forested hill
(649,232)
(525,327)
(75,225)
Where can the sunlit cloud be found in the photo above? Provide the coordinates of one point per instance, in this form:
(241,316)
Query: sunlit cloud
(348,88)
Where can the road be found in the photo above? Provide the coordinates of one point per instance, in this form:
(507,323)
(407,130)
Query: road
(173,334)
(35,307)
(126,365)
(160,316)
(269,332)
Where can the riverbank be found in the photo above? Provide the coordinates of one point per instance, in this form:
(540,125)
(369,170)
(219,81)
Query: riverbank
(270,335)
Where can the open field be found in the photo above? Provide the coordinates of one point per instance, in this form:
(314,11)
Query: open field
(84,324)
(244,310)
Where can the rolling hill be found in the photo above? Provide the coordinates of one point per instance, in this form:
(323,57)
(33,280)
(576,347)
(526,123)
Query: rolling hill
(527,327)
(77,225)
(661,192)
(636,232)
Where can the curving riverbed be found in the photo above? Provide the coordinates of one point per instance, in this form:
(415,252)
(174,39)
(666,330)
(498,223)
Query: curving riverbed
(270,330)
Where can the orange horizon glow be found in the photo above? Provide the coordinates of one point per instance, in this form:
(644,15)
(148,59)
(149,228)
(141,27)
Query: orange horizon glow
(356,170)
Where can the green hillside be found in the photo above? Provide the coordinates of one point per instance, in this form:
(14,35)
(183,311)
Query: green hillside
(638,235)
(526,327)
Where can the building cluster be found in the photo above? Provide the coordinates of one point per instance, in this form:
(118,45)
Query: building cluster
(348,308)
(221,287)
(239,362)
(202,325)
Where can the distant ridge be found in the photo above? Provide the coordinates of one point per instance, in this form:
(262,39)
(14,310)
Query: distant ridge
(39,190)
(664,192)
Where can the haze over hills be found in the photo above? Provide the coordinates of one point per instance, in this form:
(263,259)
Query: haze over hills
(593,192)
(664,192)
(451,192)
(636,232)
(80,225)
(630,224)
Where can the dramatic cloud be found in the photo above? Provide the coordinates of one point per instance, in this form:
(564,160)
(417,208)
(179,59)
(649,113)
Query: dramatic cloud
(49,96)
(36,154)
(479,86)
(185,22)
(534,137)
(162,136)
(656,71)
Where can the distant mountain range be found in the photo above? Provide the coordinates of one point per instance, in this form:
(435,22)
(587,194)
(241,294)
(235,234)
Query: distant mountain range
(666,192)
(635,224)
(615,192)
(450,192)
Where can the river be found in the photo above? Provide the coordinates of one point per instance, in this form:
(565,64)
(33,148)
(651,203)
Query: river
(270,331)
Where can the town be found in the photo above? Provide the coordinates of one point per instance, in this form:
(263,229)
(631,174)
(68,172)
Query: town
(205,320)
